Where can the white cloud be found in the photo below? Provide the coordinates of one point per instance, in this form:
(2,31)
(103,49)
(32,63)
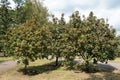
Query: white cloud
(12,4)
(118,33)
(108,9)
(56,4)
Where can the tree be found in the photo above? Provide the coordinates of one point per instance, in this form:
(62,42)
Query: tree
(26,41)
(19,3)
(90,38)
(19,12)
(5,22)
(40,13)
(72,35)
(28,10)
(5,19)
(57,41)
(94,39)
(118,49)
(1,38)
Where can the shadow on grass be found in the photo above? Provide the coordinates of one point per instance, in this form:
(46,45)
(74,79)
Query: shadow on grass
(106,66)
(34,70)
(2,61)
(106,76)
(100,67)
(107,73)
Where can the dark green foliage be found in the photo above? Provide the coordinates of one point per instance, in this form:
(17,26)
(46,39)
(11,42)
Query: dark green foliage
(5,18)
(118,49)
(29,10)
(5,23)
(86,67)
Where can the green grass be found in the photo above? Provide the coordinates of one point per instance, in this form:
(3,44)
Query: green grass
(3,59)
(116,60)
(45,70)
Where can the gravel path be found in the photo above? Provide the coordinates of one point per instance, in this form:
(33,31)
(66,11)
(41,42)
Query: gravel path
(4,66)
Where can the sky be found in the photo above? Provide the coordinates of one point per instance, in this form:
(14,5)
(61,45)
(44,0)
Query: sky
(107,9)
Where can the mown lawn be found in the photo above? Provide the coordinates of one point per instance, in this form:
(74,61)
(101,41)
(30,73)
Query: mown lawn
(116,60)
(45,70)
(3,59)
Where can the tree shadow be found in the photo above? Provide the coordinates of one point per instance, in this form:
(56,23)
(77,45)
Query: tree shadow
(106,67)
(35,70)
(106,73)
(106,76)
(1,61)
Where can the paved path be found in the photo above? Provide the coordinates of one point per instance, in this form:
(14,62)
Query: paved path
(109,65)
(4,66)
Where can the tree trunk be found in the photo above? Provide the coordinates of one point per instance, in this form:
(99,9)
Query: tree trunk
(87,66)
(4,55)
(25,69)
(56,60)
(94,61)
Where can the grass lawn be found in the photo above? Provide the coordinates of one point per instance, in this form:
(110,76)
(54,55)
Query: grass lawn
(116,60)
(2,59)
(44,70)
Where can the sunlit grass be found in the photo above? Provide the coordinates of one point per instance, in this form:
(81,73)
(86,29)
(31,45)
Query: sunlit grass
(3,59)
(116,60)
(47,71)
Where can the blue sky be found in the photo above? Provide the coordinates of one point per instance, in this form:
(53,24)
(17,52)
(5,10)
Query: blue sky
(107,9)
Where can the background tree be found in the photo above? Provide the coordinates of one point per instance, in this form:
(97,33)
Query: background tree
(5,22)
(19,12)
(27,9)
(5,19)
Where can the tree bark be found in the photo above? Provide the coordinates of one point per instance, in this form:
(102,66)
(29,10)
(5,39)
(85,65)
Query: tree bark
(56,64)
(25,69)
(87,66)
(94,61)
